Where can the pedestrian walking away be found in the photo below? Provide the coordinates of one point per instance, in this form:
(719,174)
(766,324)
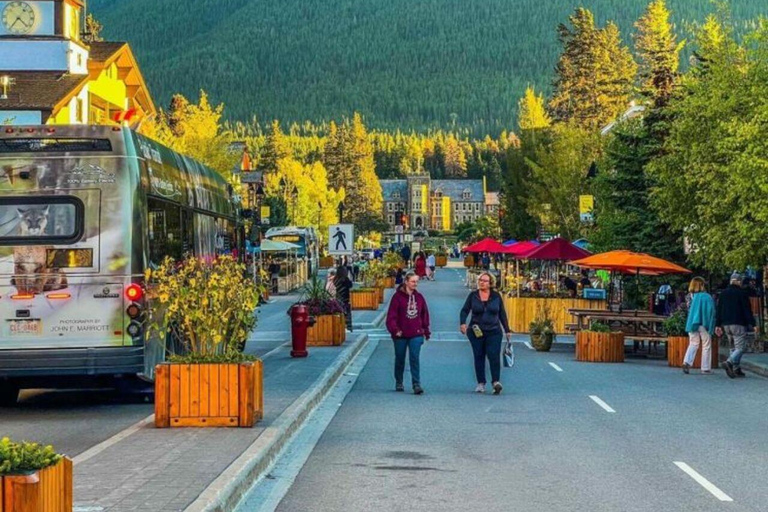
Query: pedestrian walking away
(699,326)
(734,319)
(420,265)
(408,323)
(486,329)
(330,287)
(431,265)
(343,286)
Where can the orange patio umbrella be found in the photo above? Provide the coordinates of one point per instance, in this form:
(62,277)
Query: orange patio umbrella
(630,262)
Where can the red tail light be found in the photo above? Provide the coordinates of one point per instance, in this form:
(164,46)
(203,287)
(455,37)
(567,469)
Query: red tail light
(133,292)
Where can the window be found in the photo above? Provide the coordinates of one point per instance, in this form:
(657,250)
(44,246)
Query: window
(165,232)
(391,219)
(466,194)
(396,195)
(389,207)
(477,207)
(463,207)
(41,220)
(456,207)
(79,110)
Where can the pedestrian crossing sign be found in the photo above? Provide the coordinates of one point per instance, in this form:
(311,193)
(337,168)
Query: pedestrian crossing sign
(341,239)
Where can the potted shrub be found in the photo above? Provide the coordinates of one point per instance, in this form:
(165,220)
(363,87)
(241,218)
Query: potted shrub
(393,263)
(542,329)
(677,341)
(373,277)
(330,322)
(441,259)
(208,307)
(34,477)
(599,344)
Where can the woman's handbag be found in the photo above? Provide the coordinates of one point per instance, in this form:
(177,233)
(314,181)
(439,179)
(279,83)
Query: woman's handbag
(509,355)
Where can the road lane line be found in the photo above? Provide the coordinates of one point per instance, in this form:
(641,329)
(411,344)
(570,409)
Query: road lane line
(97,449)
(602,404)
(557,368)
(528,344)
(275,350)
(717,493)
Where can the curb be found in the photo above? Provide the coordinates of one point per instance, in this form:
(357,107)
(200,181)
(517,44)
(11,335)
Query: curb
(226,491)
(372,325)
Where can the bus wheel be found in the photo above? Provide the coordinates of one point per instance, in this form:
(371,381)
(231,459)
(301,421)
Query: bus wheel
(9,394)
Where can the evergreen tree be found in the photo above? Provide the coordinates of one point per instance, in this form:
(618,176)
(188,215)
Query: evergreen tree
(659,52)
(516,222)
(595,73)
(276,149)
(531,112)
(455,159)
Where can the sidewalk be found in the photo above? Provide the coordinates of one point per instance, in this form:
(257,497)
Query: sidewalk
(172,469)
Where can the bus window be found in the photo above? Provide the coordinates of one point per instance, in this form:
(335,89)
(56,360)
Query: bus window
(165,234)
(40,220)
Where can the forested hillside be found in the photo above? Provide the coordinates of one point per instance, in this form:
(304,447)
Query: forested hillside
(401,63)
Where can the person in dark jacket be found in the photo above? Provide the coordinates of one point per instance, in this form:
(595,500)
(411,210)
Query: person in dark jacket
(485,330)
(734,318)
(343,286)
(408,323)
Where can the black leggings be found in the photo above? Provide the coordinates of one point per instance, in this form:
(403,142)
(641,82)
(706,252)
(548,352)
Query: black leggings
(488,345)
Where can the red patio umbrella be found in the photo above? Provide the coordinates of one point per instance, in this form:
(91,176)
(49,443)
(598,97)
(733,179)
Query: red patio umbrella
(486,245)
(558,249)
(520,248)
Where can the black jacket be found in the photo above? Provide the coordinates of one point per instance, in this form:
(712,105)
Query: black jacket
(489,316)
(733,308)
(343,288)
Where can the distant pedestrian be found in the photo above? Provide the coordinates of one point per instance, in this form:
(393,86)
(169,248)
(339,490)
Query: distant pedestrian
(487,328)
(405,252)
(408,323)
(486,261)
(734,319)
(420,265)
(274,275)
(700,326)
(431,265)
(330,287)
(343,287)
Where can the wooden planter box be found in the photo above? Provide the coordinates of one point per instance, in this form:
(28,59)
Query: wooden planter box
(47,490)
(380,291)
(209,395)
(521,311)
(468,261)
(388,282)
(676,347)
(441,261)
(600,347)
(327,331)
(326,262)
(364,299)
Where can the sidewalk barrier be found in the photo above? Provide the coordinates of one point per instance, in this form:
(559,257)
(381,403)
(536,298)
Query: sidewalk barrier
(46,490)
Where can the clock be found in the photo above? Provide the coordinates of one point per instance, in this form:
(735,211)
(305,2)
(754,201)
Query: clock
(18,17)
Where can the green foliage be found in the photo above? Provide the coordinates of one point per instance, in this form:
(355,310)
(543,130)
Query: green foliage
(599,327)
(595,74)
(25,457)
(402,64)
(658,52)
(675,324)
(712,178)
(232,357)
(531,112)
(543,323)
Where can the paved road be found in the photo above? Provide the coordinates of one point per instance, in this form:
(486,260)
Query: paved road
(75,420)
(544,444)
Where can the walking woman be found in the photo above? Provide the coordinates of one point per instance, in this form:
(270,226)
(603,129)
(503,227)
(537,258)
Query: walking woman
(420,265)
(408,323)
(486,330)
(343,285)
(700,326)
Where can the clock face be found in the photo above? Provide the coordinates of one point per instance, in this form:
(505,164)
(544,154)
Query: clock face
(18,17)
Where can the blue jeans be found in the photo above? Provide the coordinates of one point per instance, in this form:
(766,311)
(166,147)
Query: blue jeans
(737,336)
(487,346)
(413,346)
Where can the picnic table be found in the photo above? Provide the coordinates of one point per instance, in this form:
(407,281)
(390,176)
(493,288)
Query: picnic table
(637,325)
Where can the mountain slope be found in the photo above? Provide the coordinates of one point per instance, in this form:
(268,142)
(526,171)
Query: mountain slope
(405,63)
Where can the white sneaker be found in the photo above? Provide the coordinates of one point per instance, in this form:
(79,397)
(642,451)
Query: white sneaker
(480,388)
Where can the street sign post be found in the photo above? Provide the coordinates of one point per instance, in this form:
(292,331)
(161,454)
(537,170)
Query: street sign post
(341,239)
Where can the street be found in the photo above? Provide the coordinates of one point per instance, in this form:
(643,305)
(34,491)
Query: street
(548,442)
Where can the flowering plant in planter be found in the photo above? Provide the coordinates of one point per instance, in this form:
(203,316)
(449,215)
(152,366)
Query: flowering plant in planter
(207,305)
(393,262)
(25,457)
(318,300)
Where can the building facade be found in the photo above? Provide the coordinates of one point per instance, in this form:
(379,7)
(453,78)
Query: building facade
(421,203)
(49,74)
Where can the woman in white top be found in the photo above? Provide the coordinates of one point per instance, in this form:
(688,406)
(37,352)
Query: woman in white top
(330,287)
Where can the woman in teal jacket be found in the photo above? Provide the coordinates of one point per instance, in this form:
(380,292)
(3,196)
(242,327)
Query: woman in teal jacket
(700,325)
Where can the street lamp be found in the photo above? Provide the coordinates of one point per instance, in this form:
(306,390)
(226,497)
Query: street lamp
(341,213)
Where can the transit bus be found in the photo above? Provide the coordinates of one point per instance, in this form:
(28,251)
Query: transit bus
(305,238)
(84,210)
